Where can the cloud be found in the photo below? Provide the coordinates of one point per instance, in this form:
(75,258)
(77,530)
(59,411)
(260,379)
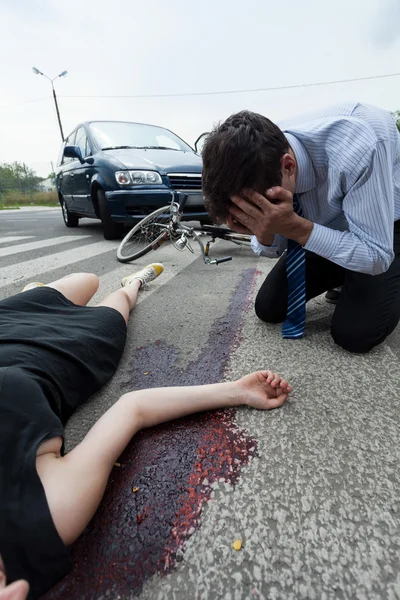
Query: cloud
(387,24)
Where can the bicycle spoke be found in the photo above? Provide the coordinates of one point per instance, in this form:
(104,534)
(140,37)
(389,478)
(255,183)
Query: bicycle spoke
(145,235)
(143,238)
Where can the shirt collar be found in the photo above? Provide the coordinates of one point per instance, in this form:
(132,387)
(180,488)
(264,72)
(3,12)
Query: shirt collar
(305,171)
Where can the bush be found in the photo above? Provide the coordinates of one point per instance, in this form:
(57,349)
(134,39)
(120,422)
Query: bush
(16,198)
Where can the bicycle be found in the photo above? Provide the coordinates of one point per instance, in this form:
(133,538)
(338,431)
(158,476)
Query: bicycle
(165,224)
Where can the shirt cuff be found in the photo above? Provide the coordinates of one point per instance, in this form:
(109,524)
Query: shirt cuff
(323,241)
(272,251)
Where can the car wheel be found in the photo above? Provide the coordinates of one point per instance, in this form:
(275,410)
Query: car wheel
(70,219)
(111,229)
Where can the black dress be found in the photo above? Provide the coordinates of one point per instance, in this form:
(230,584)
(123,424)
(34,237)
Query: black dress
(53,356)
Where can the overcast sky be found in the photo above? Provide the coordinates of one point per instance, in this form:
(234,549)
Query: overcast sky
(181,46)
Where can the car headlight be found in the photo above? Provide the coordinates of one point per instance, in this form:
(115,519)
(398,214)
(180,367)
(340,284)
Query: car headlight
(137,177)
(123,177)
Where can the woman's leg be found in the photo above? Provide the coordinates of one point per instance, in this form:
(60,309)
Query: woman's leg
(81,287)
(77,287)
(124,299)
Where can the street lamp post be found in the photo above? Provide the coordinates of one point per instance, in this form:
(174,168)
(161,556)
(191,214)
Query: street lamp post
(63,74)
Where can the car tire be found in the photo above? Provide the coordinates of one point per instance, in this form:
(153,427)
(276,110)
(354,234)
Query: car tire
(70,219)
(111,229)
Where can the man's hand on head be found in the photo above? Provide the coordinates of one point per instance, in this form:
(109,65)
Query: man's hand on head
(236,226)
(269,214)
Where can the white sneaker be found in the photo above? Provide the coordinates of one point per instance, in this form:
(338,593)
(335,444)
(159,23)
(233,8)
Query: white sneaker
(145,275)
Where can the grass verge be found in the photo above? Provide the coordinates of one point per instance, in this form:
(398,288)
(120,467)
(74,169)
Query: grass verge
(15,199)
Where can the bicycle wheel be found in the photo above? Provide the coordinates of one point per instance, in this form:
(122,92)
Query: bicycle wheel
(140,238)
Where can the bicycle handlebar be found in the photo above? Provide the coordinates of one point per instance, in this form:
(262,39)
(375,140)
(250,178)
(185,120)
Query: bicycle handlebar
(216,261)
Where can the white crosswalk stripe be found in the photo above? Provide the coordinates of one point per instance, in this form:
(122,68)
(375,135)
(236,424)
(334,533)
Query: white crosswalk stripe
(37,266)
(29,246)
(14,238)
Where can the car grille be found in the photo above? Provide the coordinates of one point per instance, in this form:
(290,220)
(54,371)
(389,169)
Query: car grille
(141,211)
(185,182)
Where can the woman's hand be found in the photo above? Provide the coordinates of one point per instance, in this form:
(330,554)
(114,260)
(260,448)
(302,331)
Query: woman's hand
(264,390)
(15,591)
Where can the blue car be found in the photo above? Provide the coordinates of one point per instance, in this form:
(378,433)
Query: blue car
(119,172)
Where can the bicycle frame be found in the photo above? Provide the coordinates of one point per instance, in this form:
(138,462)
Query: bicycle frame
(176,228)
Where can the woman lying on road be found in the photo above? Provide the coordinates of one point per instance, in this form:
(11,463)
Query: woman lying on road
(55,352)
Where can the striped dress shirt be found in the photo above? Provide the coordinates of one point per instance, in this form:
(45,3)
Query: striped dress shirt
(348,185)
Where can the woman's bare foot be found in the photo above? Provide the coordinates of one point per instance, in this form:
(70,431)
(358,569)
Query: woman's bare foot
(264,390)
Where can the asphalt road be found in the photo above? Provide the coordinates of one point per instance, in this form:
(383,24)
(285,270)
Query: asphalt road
(312,489)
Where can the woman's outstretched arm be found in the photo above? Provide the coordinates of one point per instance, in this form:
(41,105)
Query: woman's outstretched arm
(15,591)
(75,484)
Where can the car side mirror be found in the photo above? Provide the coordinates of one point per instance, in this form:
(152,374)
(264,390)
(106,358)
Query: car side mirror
(73,152)
(199,143)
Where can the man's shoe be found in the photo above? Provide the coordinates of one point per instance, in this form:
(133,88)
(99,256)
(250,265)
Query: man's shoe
(145,275)
(33,285)
(332,296)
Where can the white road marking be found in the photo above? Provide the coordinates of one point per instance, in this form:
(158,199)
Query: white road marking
(29,246)
(15,238)
(22,220)
(30,269)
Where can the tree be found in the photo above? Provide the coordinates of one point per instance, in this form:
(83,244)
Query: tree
(19,177)
(7,179)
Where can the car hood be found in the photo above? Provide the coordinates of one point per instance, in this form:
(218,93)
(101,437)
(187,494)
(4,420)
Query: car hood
(164,161)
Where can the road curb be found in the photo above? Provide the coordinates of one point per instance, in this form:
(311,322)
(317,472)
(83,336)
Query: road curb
(29,209)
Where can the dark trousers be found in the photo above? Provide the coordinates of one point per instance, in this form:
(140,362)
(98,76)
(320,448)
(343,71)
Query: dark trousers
(369,306)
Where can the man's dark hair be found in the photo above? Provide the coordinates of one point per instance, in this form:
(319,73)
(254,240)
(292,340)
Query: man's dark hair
(243,152)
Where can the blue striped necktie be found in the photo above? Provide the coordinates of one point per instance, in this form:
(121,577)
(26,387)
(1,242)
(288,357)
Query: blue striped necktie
(293,327)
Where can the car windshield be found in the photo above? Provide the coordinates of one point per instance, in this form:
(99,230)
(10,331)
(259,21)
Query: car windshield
(115,135)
